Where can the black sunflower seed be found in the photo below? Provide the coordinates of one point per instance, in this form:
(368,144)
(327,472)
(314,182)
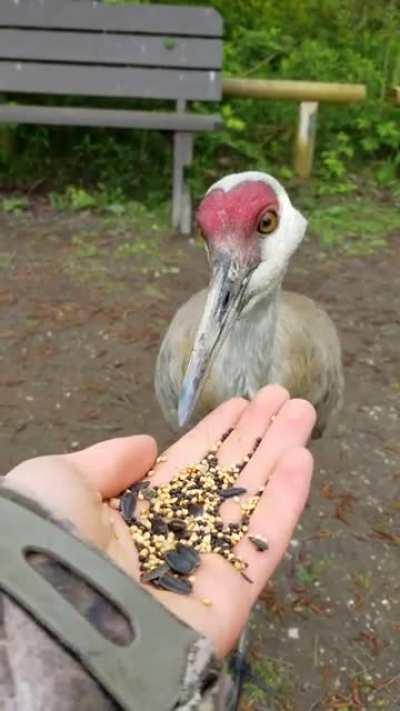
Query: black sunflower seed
(140,485)
(127,505)
(159,526)
(195,510)
(149,493)
(183,560)
(177,525)
(212,460)
(183,535)
(231,491)
(234,526)
(259,543)
(150,575)
(189,551)
(173,583)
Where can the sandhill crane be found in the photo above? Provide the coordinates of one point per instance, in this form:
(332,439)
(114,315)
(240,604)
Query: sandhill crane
(245,331)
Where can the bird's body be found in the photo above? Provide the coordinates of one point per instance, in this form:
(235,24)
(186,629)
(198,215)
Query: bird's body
(290,341)
(275,337)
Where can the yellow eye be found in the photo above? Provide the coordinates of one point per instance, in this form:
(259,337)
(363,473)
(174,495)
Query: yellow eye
(268,223)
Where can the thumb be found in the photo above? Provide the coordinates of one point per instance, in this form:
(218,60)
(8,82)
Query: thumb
(113,465)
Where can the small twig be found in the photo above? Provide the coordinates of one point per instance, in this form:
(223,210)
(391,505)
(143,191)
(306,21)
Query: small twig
(389,682)
(265,61)
(316,655)
(360,664)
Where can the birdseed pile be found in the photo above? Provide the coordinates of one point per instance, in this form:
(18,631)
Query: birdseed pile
(173,524)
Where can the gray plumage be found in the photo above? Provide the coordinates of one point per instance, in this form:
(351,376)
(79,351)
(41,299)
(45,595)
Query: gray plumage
(288,340)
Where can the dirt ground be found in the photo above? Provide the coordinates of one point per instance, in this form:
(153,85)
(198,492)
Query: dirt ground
(83,304)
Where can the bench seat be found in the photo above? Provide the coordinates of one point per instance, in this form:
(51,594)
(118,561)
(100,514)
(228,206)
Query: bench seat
(111,118)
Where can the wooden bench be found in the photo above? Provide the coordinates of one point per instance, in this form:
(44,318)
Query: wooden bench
(87,49)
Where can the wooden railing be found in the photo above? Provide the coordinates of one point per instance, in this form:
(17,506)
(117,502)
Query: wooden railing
(310,95)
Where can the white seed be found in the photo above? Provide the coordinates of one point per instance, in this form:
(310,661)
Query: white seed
(206,601)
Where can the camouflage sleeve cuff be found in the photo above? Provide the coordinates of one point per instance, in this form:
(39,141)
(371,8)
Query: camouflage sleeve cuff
(163,665)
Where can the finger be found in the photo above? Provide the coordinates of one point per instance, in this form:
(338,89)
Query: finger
(113,465)
(291,427)
(253,424)
(195,444)
(276,516)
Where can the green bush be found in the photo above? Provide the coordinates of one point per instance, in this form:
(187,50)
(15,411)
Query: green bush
(325,40)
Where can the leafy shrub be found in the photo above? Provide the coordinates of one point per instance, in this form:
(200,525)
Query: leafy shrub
(324,40)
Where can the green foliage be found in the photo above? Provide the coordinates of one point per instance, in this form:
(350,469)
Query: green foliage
(14,205)
(325,40)
(271,685)
(6,260)
(309,574)
(357,227)
(78,199)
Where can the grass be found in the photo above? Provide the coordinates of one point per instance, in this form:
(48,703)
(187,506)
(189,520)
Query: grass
(112,205)
(6,260)
(124,219)
(271,686)
(14,205)
(354,227)
(353,217)
(309,574)
(137,247)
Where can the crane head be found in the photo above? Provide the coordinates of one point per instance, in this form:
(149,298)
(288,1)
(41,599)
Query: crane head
(250,229)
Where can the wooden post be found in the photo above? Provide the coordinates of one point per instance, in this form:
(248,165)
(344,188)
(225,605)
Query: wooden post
(394,95)
(310,94)
(305,139)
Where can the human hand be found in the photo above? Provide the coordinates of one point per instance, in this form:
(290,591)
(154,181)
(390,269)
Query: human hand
(76,487)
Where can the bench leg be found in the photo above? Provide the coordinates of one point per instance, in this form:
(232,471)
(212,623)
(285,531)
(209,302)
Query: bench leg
(181,201)
(7,139)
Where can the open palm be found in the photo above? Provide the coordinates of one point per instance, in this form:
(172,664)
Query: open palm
(77,486)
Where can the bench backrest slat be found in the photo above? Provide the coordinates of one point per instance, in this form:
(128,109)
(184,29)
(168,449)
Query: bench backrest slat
(85,48)
(73,15)
(107,48)
(92,80)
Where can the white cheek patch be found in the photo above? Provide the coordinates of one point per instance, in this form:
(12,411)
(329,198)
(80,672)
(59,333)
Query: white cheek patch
(280,245)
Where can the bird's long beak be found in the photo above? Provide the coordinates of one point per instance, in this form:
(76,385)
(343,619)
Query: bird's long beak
(228,282)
